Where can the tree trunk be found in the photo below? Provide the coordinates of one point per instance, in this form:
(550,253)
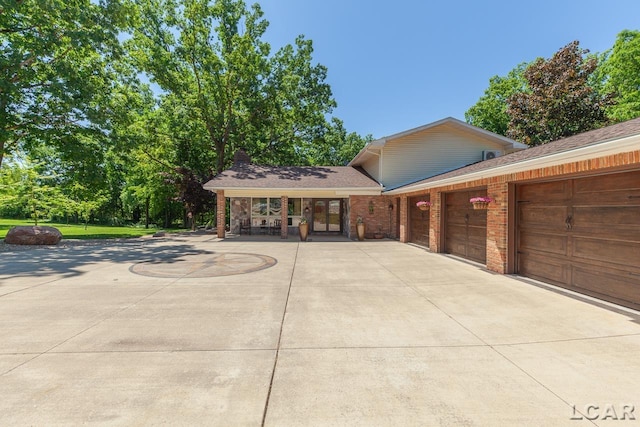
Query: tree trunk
(220,145)
(146,212)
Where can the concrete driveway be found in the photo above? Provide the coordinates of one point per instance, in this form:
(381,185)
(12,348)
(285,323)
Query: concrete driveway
(189,330)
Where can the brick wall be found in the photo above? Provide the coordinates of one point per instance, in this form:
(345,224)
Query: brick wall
(375,212)
(404,219)
(220,212)
(499,213)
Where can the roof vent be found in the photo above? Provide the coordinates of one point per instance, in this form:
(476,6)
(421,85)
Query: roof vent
(241,156)
(491,154)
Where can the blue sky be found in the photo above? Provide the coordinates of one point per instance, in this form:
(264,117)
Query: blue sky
(396,65)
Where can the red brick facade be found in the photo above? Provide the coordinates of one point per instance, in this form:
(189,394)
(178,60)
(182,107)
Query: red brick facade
(500,213)
(284,229)
(378,212)
(221,206)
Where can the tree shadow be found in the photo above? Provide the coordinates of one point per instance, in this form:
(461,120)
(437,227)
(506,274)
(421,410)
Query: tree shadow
(289,173)
(68,261)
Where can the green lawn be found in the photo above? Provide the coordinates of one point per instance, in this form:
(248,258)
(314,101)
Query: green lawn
(77,231)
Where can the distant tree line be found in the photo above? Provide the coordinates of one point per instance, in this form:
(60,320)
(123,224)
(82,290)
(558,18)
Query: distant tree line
(569,93)
(118,111)
(84,137)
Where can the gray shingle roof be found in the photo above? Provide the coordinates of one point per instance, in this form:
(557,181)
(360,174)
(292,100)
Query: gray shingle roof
(597,136)
(245,175)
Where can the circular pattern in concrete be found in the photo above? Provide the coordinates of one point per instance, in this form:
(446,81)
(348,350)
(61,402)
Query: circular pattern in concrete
(206,265)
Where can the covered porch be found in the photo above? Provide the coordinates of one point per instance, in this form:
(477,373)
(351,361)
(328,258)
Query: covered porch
(273,200)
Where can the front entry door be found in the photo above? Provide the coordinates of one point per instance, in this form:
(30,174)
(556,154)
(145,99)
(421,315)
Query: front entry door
(327,215)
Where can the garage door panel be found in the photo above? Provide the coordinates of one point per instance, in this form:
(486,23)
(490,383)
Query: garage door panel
(550,217)
(545,268)
(607,282)
(477,235)
(615,197)
(476,252)
(613,183)
(603,217)
(418,222)
(465,228)
(552,244)
(457,247)
(456,215)
(477,218)
(599,253)
(550,191)
(624,253)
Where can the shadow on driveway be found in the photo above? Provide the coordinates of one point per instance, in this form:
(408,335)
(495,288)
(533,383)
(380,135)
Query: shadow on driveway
(69,258)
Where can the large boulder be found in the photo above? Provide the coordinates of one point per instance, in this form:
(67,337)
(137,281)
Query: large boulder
(35,235)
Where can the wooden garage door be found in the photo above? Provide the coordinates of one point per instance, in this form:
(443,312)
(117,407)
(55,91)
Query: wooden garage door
(583,234)
(418,222)
(465,228)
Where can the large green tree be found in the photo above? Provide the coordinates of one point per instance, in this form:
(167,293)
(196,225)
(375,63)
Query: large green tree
(337,146)
(55,72)
(211,59)
(560,102)
(621,75)
(490,112)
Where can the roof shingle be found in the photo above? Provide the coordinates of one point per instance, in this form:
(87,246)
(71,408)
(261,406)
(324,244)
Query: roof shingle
(245,175)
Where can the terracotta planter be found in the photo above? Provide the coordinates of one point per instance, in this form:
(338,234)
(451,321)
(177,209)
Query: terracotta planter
(480,205)
(304,231)
(360,230)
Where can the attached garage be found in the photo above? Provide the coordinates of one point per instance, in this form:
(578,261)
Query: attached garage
(582,234)
(465,227)
(418,222)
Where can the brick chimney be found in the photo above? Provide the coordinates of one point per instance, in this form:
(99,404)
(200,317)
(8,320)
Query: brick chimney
(241,157)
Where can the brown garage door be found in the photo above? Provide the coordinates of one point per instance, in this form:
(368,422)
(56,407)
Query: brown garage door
(465,228)
(418,222)
(583,234)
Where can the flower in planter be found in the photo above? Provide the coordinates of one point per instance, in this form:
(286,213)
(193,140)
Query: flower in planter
(423,203)
(359,220)
(481,200)
(303,220)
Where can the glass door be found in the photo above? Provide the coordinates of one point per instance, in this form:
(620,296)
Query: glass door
(327,215)
(319,215)
(335,218)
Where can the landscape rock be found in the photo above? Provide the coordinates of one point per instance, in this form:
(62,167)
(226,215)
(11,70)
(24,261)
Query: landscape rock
(33,235)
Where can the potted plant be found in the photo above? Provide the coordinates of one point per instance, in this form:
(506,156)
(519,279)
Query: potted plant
(360,228)
(480,202)
(379,234)
(423,205)
(303,227)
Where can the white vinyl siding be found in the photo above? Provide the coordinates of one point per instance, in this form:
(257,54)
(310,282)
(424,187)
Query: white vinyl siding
(372,166)
(428,153)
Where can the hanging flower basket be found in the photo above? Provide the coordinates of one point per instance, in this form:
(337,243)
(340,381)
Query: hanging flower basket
(423,205)
(480,202)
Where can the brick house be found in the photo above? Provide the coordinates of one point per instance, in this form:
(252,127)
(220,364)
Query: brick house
(567,212)
(332,198)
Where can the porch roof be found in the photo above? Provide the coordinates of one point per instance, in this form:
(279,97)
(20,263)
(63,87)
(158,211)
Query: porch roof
(246,179)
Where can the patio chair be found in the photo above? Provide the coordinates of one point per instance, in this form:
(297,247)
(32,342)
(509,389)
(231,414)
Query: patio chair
(277,225)
(245,226)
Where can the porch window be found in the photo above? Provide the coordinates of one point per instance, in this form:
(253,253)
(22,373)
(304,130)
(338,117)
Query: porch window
(259,207)
(275,207)
(295,207)
(266,210)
